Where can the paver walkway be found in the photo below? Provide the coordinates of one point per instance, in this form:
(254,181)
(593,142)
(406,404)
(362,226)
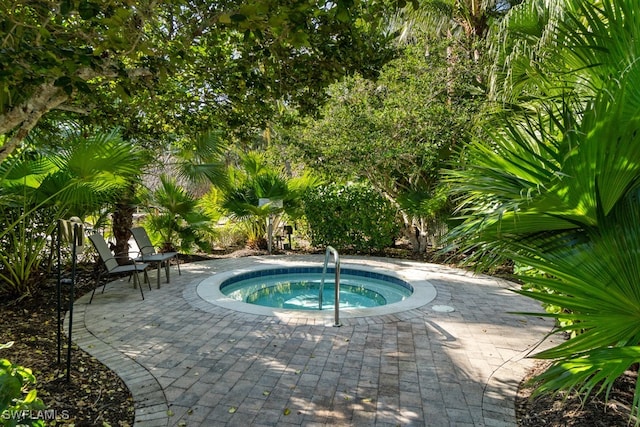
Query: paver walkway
(189,362)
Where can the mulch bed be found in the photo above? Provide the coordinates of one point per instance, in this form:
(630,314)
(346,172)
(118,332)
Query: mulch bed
(570,410)
(94,395)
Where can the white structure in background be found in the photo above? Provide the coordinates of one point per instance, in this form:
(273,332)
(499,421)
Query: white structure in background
(274,205)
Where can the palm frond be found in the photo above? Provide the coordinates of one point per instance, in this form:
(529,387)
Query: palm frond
(25,169)
(202,158)
(559,194)
(172,198)
(595,277)
(586,373)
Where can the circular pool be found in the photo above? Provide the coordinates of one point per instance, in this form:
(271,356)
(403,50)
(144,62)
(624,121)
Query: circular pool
(299,288)
(392,273)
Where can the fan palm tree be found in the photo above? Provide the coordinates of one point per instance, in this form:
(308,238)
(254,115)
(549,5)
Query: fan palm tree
(175,218)
(195,163)
(37,186)
(555,184)
(256,180)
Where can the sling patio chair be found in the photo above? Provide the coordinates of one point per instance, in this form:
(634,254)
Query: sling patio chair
(112,267)
(147,253)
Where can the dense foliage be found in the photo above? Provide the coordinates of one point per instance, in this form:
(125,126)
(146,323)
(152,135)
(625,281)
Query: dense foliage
(399,131)
(259,193)
(165,72)
(39,186)
(352,217)
(555,183)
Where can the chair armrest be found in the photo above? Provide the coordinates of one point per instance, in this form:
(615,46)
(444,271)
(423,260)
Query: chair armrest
(120,257)
(142,248)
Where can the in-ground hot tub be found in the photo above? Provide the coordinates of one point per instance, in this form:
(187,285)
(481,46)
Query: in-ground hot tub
(298,288)
(373,289)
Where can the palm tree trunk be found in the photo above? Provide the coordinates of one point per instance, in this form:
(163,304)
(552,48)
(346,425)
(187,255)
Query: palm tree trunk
(122,221)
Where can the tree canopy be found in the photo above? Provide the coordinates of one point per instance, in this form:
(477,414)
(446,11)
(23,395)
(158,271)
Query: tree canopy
(399,131)
(187,57)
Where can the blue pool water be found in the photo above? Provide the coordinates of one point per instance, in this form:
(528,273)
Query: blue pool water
(296,289)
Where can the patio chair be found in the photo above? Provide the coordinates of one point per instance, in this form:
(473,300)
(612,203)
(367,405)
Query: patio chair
(111,266)
(147,253)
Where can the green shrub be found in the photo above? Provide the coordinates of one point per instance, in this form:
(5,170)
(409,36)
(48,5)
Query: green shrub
(23,248)
(16,403)
(353,217)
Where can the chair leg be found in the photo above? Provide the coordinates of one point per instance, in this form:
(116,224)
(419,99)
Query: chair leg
(146,278)
(158,265)
(105,283)
(178,262)
(136,279)
(94,291)
(96,287)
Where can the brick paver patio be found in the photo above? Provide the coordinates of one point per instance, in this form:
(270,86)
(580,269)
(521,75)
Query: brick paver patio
(189,362)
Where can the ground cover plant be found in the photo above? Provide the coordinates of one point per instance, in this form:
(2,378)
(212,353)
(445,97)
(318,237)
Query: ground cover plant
(15,396)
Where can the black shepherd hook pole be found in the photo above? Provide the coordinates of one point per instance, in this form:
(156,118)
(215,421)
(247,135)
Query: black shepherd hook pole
(70,231)
(58,282)
(76,228)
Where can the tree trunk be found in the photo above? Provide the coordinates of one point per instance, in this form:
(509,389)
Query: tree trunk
(122,221)
(415,231)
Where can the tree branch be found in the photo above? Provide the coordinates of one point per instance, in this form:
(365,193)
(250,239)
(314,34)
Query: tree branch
(21,118)
(72,109)
(25,116)
(45,97)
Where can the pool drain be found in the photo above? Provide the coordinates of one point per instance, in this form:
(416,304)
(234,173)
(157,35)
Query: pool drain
(443,308)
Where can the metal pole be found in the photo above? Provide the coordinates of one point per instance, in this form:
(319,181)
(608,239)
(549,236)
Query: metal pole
(58,291)
(336,286)
(269,232)
(336,322)
(324,273)
(71,297)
